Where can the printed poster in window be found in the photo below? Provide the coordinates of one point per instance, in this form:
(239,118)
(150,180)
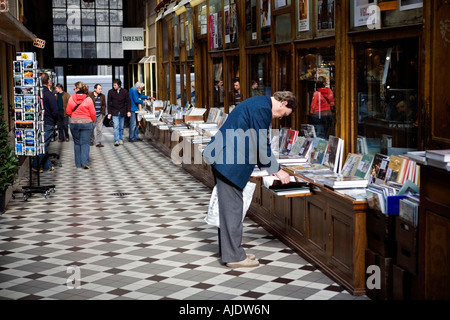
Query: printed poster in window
(233,23)
(362,12)
(265,20)
(324,72)
(325,14)
(410,4)
(386,5)
(303,15)
(211,30)
(226,11)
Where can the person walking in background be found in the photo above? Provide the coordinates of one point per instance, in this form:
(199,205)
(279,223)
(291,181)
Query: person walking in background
(119,105)
(321,108)
(250,120)
(136,98)
(50,119)
(62,98)
(99,100)
(82,112)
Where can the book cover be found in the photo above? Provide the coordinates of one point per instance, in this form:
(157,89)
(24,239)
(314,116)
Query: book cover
(376,164)
(318,153)
(347,182)
(306,148)
(381,175)
(307,130)
(364,167)
(439,155)
(396,169)
(291,136)
(351,164)
(439,164)
(331,158)
(297,146)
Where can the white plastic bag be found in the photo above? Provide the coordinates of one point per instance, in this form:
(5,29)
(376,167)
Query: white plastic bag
(212,218)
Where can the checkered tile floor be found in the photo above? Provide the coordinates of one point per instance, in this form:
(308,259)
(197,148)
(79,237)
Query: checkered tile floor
(132,227)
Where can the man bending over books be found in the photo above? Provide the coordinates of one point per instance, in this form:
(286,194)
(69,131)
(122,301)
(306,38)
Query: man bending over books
(240,144)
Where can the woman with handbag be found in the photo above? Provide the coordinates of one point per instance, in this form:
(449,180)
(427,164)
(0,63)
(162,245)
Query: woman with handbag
(82,112)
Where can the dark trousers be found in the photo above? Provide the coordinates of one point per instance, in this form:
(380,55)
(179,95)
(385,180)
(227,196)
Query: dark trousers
(63,127)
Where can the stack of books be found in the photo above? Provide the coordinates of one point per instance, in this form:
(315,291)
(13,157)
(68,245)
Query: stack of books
(438,158)
(342,182)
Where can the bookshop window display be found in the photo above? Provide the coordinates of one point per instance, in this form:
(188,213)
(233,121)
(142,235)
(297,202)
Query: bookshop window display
(386,96)
(260,75)
(315,65)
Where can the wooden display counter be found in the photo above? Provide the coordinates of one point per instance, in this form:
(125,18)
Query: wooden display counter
(327,228)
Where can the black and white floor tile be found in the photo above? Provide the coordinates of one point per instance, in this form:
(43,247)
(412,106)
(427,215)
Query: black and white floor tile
(131,227)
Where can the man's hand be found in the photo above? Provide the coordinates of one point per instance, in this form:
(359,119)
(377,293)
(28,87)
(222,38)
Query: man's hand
(283,176)
(128,114)
(109,116)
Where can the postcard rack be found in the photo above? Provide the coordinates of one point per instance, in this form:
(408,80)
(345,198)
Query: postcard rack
(29,118)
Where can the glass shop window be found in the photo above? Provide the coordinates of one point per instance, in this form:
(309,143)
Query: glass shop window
(370,14)
(260,75)
(218,96)
(317,90)
(251,18)
(189,31)
(387,83)
(265,20)
(175,36)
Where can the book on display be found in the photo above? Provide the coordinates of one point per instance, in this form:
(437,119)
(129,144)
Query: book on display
(341,181)
(351,164)
(365,166)
(439,155)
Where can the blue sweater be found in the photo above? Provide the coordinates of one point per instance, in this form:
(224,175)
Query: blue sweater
(242,142)
(136,98)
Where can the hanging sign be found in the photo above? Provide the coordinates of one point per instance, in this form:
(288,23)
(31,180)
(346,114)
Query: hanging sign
(133,39)
(39,43)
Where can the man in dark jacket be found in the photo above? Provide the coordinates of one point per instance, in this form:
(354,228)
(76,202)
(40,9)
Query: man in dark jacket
(50,119)
(100,109)
(119,105)
(240,144)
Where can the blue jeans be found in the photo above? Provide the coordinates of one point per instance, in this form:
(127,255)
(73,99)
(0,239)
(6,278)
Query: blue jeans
(322,125)
(81,134)
(134,126)
(118,121)
(44,161)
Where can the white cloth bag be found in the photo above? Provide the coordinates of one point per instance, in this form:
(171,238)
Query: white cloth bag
(212,218)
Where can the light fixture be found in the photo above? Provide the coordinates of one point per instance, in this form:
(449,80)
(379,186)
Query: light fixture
(194,3)
(179,10)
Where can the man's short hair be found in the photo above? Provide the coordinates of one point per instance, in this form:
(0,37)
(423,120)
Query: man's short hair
(287,96)
(96,85)
(119,83)
(59,85)
(45,78)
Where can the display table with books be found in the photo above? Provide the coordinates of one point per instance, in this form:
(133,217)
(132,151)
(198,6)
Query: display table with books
(326,227)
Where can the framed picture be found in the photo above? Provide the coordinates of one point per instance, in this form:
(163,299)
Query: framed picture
(28,73)
(19,114)
(24,56)
(27,90)
(30,151)
(29,134)
(28,64)
(28,82)
(24,125)
(410,4)
(29,108)
(29,100)
(19,149)
(29,117)
(18,66)
(18,81)
(19,136)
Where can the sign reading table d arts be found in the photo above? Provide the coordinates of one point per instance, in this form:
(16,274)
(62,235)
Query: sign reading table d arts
(133,39)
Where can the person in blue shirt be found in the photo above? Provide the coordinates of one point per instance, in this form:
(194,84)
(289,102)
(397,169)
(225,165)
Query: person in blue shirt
(136,99)
(240,144)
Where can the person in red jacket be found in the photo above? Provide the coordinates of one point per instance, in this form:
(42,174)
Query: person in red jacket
(82,112)
(320,109)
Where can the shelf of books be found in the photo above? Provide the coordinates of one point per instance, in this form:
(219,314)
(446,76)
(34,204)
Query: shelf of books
(29,113)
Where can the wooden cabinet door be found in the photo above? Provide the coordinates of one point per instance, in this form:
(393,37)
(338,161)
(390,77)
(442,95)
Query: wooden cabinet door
(297,220)
(316,215)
